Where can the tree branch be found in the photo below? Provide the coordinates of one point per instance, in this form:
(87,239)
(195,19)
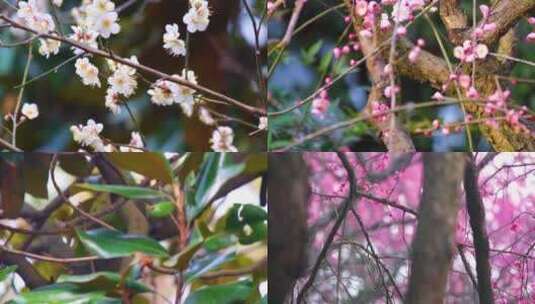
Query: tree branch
(140,67)
(476,211)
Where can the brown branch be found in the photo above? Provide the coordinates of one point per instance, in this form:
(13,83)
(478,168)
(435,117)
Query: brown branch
(47,258)
(140,67)
(476,212)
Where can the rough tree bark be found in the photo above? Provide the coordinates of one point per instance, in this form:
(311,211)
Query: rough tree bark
(474,206)
(288,192)
(433,244)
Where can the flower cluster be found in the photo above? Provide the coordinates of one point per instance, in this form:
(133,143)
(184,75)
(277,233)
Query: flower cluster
(370,11)
(31,15)
(89,136)
(166,92)
(470,51)
(175,46)
(197,18)
(87,71)
(379,111)
(98,19)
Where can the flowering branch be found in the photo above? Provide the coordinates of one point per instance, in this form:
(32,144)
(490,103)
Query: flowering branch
(138,66)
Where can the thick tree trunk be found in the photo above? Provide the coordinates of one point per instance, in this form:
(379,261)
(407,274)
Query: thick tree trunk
(288,192)
(433,245)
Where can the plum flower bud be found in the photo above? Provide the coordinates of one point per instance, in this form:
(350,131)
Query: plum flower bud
(361,8)
(337,53)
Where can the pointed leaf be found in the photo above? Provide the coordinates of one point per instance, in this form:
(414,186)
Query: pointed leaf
(111,244)
(6,271)
(63,293)
(104,280)
(131,192)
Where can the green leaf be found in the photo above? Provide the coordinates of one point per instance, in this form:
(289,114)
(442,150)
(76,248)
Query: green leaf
(104,280)
(325,62)
(217,169)
(161,209)
(192,162)
(237,292)
(241,214)
(181,260)
(219,241)
(206,264)
(6,271)
(131,192)
(308,55)
(150,164)
(63,293)
(111,244)
(248,222)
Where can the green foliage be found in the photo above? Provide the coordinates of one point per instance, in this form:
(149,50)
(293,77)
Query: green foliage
(215,235)
(131,192)
(111,244)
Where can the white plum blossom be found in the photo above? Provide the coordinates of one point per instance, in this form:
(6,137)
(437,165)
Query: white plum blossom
(222,140)
(83,36)
(470,51)
(27,9)
(87,71)
(106,24)
(263,123)
(163,92)
(57,3)
(135,145)
(48,47)
(172,43)
(122,82)
(205,116)
(30,15)
(89,136)
(98,8)
(30,110)
(197,18)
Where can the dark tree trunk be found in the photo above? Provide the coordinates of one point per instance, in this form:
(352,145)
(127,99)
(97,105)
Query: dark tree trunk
(288,192)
